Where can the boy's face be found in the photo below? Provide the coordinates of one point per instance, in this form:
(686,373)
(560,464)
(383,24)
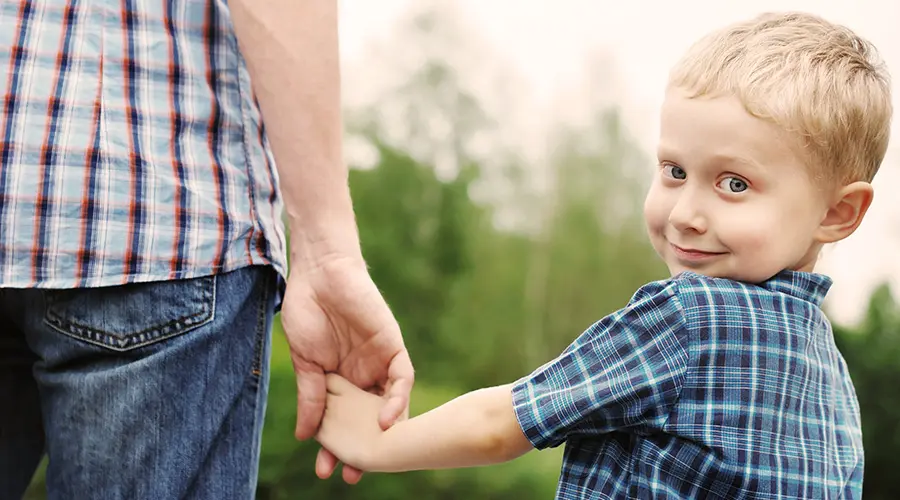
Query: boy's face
(731,197)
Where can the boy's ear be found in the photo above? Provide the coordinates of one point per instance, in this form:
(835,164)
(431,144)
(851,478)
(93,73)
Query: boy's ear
(846,212)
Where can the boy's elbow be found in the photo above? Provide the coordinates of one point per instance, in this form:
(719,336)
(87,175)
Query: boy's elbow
(503,440)
(509,445)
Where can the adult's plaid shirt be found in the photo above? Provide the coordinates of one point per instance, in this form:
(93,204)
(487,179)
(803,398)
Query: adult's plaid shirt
(702,388)
(131,147)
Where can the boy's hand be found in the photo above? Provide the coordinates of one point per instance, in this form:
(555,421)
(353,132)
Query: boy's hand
(350,428)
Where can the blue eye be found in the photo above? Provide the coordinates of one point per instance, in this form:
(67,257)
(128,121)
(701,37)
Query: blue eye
(675,172)
(734,184)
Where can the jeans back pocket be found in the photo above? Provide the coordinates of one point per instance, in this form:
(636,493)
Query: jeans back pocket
(130,316)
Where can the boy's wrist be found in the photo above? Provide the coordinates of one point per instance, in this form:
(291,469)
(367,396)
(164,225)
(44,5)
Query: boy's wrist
(374,457)
(395,453)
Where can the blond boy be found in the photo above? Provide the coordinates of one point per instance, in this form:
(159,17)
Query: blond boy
(722,381)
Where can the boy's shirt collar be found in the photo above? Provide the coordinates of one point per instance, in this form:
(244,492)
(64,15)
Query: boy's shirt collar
(809,287)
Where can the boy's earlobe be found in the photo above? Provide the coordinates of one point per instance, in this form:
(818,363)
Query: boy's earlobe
(846,212)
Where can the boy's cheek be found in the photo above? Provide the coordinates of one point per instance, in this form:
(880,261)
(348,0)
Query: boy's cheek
(757,247)
(744,232)
(656,214)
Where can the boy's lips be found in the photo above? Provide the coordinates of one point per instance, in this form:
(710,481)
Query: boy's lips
(693,254)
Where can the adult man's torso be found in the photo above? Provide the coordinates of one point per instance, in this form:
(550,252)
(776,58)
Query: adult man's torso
(131,147)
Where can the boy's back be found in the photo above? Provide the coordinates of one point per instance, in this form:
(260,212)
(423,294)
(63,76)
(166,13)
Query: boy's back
(703,388)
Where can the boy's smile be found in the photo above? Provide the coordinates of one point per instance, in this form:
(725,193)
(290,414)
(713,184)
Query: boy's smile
(693,255)
(732,196)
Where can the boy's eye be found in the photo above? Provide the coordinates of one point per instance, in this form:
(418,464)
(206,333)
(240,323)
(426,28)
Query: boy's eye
(733,184)
(674,172)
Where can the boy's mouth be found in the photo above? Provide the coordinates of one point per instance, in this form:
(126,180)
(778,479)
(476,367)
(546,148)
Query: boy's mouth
(693,254)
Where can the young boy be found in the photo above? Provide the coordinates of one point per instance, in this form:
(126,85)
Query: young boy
(724,380)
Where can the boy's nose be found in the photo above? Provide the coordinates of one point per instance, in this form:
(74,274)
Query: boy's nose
(686,215)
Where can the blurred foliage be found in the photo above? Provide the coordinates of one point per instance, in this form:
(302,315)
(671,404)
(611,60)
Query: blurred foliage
(483,303)
(872,352)
(286,466)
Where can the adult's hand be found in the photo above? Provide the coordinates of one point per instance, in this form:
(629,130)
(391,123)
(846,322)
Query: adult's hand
(336,320)
(334,317)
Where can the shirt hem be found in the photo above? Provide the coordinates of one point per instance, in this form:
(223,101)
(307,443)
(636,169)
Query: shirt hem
(118,279)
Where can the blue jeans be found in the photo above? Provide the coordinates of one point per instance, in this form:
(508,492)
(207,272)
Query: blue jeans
(143,391)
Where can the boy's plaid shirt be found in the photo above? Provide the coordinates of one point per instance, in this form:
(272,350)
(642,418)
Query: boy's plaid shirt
(131,148)
(702,388)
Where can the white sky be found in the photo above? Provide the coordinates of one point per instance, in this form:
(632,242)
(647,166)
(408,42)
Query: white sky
(549,45)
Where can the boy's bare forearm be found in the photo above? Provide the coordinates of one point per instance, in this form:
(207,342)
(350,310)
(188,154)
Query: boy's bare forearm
(478,428)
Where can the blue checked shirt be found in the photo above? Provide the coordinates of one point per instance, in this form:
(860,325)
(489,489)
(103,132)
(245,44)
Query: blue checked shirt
(131,147)
(702,388)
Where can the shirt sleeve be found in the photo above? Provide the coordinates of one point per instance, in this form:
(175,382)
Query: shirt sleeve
(624,373)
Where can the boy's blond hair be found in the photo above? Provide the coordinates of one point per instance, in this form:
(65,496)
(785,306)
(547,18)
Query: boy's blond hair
(808,76)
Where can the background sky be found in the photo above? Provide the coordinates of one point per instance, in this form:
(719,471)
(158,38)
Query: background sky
(564,53)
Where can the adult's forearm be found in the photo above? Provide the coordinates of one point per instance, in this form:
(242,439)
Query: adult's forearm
(291,49)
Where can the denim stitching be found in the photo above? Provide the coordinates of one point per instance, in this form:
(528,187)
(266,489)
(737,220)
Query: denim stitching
(261,322)
(143,338)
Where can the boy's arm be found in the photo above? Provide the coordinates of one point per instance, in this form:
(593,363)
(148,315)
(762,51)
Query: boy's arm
(478,428)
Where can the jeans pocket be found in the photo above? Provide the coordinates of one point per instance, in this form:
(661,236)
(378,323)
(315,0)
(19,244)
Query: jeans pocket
(126,317)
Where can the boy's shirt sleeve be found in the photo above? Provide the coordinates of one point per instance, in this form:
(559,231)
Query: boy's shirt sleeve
(624,373)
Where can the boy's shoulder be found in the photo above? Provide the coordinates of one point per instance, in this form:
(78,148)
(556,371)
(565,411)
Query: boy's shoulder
(686,285)
(693,290)
(730,316)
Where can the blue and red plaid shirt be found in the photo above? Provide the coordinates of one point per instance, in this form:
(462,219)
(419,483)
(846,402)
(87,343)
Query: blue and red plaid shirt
(702,388)
(131,147)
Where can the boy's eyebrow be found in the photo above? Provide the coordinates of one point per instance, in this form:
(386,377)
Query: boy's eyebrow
(663,151)
(739,160)
(722,158)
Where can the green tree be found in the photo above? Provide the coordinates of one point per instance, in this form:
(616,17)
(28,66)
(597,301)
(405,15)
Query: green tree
(872,352)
